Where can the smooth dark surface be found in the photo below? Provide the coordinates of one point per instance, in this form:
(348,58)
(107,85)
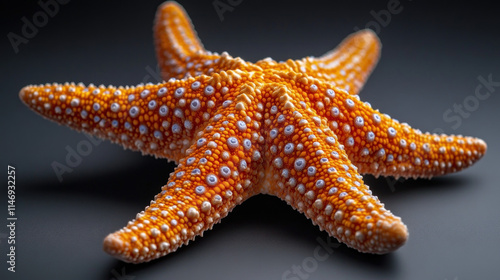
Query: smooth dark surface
(432,57)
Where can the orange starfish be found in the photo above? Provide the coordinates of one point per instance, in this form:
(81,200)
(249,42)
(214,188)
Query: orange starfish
(294,129)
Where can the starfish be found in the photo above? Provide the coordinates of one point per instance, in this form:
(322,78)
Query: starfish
(294,129)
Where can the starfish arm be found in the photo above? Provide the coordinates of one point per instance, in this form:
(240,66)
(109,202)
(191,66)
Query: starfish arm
(311,171)
(180,52)
(175,32)
(218,173)
(412,153)
(379,145)
(157,119)
(348,66)
(147,118)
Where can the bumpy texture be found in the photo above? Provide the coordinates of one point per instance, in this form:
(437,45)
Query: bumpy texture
(293,129)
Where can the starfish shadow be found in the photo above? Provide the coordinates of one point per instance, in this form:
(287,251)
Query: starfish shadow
(389,187)
(301,230)
(265,212)
(124,185)
(276,218)
(130,270)
(262,211)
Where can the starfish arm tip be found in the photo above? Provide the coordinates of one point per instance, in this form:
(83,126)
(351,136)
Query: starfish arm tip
(23,95)
(113,245)
(398,232)
(170,4)
(392,237)
(368,32)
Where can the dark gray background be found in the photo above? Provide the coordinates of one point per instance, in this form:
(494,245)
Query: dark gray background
(432,57)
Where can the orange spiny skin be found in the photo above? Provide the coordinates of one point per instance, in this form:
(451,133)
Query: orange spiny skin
(295,129)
